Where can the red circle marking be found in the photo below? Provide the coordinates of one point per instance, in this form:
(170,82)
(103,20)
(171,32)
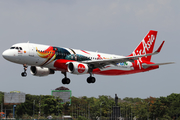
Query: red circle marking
(81,68)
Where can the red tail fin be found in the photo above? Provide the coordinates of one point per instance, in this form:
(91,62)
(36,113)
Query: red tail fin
(146,46)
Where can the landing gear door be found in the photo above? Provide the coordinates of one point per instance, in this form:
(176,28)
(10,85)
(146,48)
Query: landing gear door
(31,50)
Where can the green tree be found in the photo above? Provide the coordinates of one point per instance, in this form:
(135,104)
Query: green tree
(1,97)
(29,107)
(82,118)
(51,105)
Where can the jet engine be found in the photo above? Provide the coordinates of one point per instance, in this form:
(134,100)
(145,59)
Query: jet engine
(40,71)
(77,68)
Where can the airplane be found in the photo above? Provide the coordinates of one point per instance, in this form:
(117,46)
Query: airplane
(45,60)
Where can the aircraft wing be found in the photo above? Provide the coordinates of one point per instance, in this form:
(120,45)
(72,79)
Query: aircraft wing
(101,63)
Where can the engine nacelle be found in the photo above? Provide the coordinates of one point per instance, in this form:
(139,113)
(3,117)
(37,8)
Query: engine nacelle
(40,71)
(77,68)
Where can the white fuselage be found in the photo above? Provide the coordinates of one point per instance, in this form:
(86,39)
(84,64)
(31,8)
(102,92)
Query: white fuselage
(27,53)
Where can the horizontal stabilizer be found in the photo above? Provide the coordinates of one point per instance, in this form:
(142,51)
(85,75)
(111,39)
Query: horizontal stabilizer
(149,65)
(103,62)
(156,52)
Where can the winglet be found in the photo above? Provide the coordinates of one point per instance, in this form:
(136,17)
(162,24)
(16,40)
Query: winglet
(159,49)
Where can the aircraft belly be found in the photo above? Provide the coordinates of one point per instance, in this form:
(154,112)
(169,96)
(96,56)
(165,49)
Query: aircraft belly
(43,62)
(114,70)
(50,65)
(37,61)
(117,68)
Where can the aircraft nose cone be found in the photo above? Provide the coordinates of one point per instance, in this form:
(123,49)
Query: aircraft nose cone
(6,54)
(10,55)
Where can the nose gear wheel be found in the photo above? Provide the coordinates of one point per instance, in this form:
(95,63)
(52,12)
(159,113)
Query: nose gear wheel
(24,74)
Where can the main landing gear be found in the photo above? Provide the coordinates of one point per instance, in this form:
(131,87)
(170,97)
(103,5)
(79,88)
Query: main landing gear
(91,79)
(65,80)
(24,74)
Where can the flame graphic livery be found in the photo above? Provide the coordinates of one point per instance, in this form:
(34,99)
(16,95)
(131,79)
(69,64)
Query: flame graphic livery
(48,54)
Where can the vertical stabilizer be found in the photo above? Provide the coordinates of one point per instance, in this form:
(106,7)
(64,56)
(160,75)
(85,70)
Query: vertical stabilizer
(146,46)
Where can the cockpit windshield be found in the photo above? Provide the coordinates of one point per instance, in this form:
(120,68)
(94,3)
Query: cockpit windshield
(18,48)
(12,48)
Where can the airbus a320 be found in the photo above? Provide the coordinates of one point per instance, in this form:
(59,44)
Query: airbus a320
(45,60)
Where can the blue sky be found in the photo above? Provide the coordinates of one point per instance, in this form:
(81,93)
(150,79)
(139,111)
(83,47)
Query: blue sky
(114,27)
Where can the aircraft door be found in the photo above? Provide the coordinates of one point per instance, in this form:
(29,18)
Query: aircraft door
(31,50)
(33,60)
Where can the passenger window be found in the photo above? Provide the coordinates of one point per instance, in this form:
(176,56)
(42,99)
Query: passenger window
(20,48)
(17,48)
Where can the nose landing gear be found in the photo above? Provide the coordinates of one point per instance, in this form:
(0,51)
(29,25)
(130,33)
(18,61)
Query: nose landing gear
(24,74)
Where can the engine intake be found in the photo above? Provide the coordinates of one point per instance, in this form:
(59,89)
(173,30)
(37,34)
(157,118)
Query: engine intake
(40,71)
(77,68)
